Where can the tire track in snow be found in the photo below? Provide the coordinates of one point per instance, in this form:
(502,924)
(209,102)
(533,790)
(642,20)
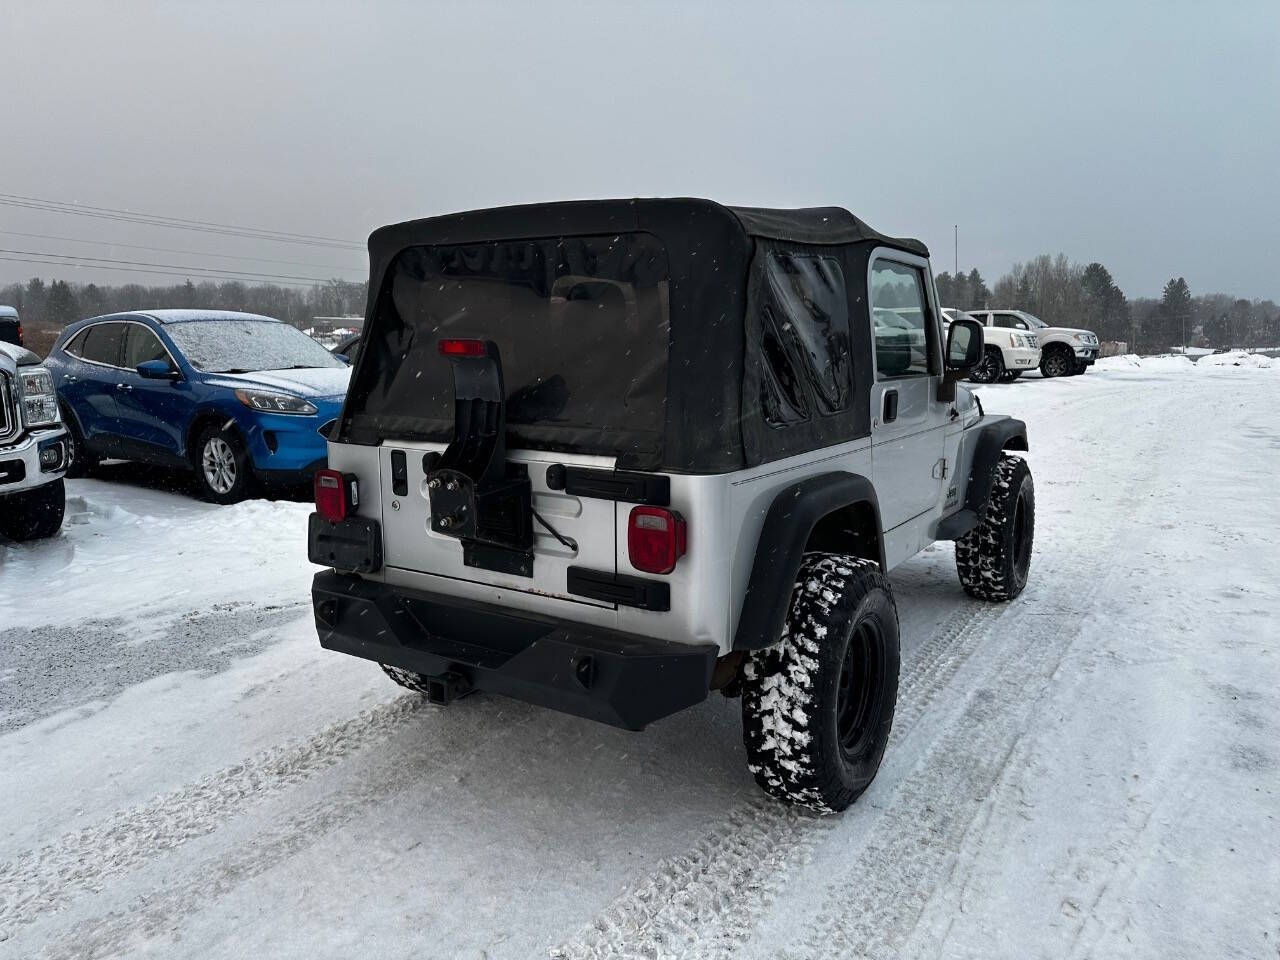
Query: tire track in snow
(922,829)
(712,899)
(153,916)
(39,881)
(741,863)
(640,923)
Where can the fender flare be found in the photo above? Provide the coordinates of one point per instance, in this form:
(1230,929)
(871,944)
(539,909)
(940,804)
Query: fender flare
(993,439)
(795,511)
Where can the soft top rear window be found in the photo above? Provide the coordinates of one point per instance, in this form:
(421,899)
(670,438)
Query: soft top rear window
(581,324)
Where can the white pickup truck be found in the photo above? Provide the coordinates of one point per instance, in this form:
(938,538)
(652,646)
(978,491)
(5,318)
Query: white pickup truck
(1064,351)
(33,448)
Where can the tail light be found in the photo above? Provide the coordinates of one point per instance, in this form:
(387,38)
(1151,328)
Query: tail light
(656,539)
(462,348)
(337,494)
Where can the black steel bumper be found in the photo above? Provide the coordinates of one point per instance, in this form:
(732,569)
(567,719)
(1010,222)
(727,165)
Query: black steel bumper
(617,678)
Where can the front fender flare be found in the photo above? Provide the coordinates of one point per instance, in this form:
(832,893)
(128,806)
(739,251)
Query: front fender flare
(993,437)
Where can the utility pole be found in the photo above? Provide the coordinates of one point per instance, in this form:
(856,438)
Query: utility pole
(957,248)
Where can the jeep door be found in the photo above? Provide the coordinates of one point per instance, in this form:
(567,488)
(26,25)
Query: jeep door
(906,432)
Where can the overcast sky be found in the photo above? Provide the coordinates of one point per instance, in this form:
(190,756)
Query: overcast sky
(1143,136)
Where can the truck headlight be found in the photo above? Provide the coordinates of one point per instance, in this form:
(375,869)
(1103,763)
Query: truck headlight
(39,399)
(267,402)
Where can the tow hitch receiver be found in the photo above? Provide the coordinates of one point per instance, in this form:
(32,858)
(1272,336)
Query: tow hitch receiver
(475,494)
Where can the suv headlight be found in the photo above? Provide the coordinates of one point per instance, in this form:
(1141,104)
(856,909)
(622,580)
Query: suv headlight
(267,402)
(39,399)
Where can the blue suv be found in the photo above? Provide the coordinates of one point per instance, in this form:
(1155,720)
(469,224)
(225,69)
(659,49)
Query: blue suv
(235,397)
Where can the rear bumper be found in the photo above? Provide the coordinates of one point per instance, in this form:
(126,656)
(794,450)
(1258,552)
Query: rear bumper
(617,678)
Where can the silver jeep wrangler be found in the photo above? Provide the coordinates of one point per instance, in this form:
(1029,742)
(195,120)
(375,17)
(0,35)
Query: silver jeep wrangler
(607,456)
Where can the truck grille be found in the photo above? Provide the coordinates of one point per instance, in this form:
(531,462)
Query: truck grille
(9,422)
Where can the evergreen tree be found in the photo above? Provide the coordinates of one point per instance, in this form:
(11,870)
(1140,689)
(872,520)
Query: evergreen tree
(1175,312)
(93,301)
(978,296)
(61,307)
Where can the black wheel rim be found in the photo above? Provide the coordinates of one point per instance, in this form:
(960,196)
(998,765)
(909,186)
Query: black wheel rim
(858,694)
(985,372)
(1021,540)
(1056,365)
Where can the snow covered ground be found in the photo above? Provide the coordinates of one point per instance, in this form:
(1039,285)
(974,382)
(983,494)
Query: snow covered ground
(1092,770)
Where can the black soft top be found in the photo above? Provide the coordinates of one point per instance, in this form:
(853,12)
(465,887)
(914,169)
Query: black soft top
(809,225)
(717,258)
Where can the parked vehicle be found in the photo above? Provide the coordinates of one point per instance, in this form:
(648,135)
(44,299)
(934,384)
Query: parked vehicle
(1007,353)
(10,326)
(607,456)
(235,397)
(1064,351)
(33,448)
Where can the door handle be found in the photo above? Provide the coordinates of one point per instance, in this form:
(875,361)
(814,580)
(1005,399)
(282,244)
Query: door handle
(70,378)
(123,386)
(890,406)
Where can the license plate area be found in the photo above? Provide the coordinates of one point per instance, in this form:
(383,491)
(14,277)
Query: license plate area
(411,542)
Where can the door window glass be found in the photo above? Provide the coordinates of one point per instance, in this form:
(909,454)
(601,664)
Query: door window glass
(901,320)
(102,343)
(1002,320)
(141,345)
(75,346)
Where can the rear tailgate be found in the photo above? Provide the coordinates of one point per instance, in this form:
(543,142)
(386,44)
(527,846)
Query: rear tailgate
(409,543)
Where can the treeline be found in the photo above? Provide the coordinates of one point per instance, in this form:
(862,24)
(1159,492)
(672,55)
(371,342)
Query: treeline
(1068,294)
(45,308)
(1054,289)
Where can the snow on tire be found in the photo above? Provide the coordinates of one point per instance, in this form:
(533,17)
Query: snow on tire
(994,557)
(818,705)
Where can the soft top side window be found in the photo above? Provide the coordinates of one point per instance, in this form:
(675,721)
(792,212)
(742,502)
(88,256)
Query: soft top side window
(807,308)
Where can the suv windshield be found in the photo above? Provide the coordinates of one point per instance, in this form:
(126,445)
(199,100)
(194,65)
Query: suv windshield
(581,324)
(241,346)
(1035,322)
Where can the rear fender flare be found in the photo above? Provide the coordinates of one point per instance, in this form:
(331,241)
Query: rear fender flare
(795,511)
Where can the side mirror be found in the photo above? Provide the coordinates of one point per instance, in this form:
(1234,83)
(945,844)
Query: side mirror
(157,370)
(964,344)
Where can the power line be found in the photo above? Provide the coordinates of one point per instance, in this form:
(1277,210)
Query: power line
(170,266)
(189,253)
(174,223)
(161,273)
(159,216)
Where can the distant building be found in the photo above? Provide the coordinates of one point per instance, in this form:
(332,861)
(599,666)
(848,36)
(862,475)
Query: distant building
(332,326)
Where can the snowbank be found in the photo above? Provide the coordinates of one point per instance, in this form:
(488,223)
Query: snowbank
(1238,358)
(1165,363)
